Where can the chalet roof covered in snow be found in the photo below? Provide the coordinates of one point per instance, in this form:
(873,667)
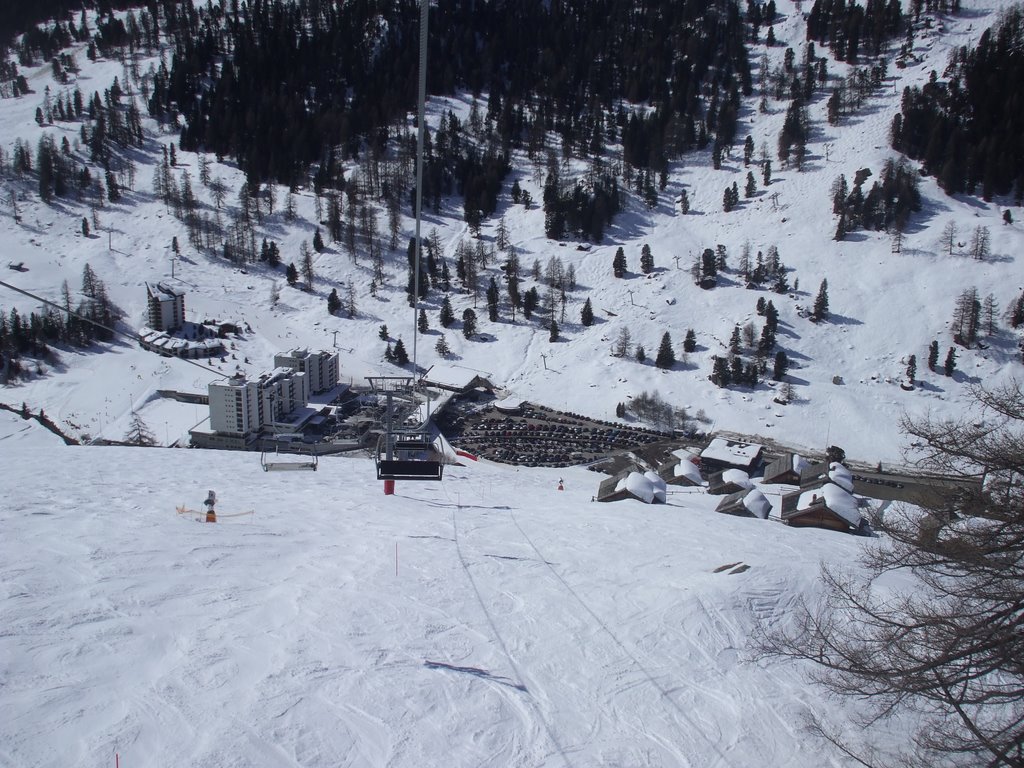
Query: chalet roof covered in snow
(841,476)
(685,454)
(732,452)
(647,487)
(757,503)
(745,503)
(837,499)
(688,470)
(786,469)
(737,477)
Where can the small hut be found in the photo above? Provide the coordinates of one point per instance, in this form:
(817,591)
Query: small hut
(679,471)
(817,475)
(786,469)
(647,487)
(749,503)
(729,481)
(829,507)
(724,454)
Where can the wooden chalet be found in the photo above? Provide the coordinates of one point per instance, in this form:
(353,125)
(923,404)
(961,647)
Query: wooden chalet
(722,454)
(748,503)
(647,487)
(817,475)
(786,469)
(828,506)
(679,471)
(729,481)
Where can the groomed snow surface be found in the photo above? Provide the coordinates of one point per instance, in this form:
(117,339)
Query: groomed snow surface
(488,620)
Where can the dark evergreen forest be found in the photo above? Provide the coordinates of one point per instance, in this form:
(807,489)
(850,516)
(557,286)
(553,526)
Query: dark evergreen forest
(286,86)
(849,30)
(967,131)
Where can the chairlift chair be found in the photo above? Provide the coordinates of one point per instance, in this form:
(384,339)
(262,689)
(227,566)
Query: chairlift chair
(400,452)
(284,466)
(402,462)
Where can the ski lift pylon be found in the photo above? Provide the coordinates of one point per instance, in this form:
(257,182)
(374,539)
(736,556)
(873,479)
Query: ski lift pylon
(401,453)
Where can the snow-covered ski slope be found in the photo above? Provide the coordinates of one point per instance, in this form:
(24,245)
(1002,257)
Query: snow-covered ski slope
(488,620)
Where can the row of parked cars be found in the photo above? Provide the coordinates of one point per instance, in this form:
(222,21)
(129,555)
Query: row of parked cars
(541,437)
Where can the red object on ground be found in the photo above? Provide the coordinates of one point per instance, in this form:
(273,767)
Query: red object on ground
(389,487)
(465,455)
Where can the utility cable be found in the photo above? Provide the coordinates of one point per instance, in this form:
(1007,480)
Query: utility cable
(117,331)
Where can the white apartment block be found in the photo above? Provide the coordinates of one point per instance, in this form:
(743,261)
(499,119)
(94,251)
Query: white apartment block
(321,368)
(166,307)
(240,406)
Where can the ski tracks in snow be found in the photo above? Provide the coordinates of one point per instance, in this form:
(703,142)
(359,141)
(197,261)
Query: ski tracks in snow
(518,681)
(607,717)
(697,731)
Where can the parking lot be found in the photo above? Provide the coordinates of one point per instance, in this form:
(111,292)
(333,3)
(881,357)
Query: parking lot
(540,437)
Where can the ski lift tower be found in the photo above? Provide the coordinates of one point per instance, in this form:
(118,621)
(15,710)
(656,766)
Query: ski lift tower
(403,453)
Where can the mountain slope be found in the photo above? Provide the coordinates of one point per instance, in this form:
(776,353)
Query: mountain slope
(885,306)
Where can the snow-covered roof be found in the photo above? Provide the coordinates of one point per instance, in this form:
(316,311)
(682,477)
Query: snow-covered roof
(643,487)
(731,451)
(841,476)
(659,485)
(684,454)
(837,499)
(164,292)
(737,477)
(453,377)
(510,403)
(757,504)
(688,470)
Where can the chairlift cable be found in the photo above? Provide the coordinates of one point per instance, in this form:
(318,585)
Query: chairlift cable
(420,131)
(128,335)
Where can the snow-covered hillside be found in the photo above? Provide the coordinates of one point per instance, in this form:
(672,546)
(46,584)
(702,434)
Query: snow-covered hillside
(489,619)
(885,306)
(486,620)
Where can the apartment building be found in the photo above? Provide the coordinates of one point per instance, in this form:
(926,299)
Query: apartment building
(321,368)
